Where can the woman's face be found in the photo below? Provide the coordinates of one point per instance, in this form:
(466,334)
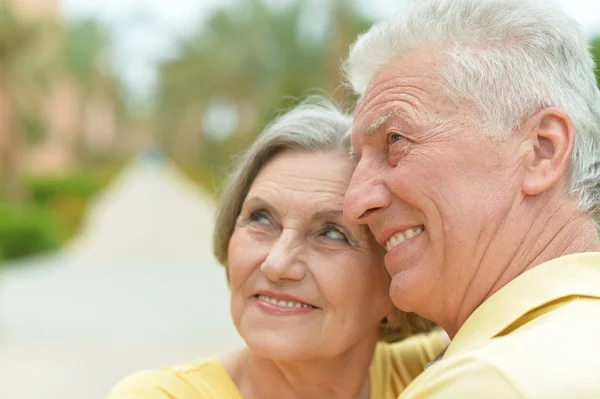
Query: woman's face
(304,283)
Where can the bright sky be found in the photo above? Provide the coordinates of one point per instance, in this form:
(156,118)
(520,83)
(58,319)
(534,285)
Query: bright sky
(145,30)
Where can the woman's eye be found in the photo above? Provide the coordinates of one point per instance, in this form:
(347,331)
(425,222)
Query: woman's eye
(334,233)
(394,138)
(259,217)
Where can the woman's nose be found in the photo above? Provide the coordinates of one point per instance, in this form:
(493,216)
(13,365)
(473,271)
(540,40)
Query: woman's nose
(284,261)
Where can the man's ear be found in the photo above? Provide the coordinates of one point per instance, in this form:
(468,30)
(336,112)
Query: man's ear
(550,138)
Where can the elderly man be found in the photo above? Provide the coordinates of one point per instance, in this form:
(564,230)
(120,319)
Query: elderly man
(477,136)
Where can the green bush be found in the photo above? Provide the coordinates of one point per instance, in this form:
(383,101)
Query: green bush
(44,190)
(27,229)
(53,213)
(67,196)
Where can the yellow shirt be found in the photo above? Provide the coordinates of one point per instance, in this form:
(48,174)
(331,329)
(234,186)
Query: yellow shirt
(538,337)
(393,367)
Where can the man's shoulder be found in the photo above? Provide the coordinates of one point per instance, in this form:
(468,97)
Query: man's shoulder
(566,331)
(551,356)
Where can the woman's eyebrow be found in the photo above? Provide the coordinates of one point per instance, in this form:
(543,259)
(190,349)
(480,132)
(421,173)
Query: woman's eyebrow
(257,201)
(328,214)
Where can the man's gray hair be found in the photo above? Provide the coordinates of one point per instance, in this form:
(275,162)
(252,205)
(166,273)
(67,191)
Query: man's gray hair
(316,125)
(510,59)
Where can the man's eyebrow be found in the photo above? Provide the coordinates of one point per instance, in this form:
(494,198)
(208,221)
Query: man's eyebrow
(375,126)
(353,153)
(396,113)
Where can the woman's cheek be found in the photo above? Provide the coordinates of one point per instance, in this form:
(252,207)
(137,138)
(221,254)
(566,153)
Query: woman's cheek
(246,255)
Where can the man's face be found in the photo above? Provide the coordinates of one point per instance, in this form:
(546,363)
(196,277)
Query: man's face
(433,189)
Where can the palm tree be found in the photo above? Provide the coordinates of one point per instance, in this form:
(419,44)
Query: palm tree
(26,49)
(254,60)
(85,52)
(345,23)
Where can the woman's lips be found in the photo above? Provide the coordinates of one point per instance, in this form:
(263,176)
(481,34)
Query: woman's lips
(281,307)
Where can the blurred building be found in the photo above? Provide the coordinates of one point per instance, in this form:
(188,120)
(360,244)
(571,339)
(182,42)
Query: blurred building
(78,123)
(36,8)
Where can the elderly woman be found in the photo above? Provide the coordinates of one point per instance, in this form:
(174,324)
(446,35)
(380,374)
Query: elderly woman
(309,293)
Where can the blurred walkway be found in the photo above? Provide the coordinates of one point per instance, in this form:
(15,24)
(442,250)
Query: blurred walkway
(138,289)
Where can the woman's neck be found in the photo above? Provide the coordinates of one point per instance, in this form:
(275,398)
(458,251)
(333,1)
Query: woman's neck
(343,377)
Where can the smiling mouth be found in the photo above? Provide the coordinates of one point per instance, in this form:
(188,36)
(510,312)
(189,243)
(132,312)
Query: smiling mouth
(283,303)
(403,236)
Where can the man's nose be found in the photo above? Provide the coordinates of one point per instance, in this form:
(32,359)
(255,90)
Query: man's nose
(284,263)
(366,194)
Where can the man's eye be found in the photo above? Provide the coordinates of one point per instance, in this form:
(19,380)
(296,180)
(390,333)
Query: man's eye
(394,138)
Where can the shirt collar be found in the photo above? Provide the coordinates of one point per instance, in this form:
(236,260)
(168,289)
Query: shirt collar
(577,274)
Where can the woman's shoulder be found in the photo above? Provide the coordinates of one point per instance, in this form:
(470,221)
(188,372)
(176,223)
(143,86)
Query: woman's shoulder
(424,345)
(202,379)
(397,364)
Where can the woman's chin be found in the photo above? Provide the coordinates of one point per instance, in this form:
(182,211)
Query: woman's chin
(279,345)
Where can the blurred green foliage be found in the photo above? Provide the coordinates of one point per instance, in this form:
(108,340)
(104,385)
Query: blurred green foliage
(27,229)
(199,175)
(254,59)
(595,50)
(65,197)
(44,190)
(54,212)
(51,67)
(45,63)
(246,64)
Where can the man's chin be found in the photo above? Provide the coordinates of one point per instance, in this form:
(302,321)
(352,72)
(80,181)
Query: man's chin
(408,289)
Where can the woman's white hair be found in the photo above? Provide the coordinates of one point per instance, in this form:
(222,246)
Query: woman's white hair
(510,59)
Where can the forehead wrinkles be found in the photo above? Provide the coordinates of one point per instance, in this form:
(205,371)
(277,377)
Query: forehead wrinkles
(395,97)
(296,204)
(395,75)
(302,185)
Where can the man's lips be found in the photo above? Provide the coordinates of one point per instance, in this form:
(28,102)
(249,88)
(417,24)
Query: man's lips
(391,238)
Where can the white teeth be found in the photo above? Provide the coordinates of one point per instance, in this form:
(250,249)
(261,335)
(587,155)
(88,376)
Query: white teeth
(402,236)
(282,303)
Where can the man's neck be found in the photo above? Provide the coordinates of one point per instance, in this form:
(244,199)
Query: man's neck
(578,235)
(555,232)
(344,377)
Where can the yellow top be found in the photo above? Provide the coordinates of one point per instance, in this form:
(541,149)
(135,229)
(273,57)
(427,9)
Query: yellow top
(538,337)
(394,366)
